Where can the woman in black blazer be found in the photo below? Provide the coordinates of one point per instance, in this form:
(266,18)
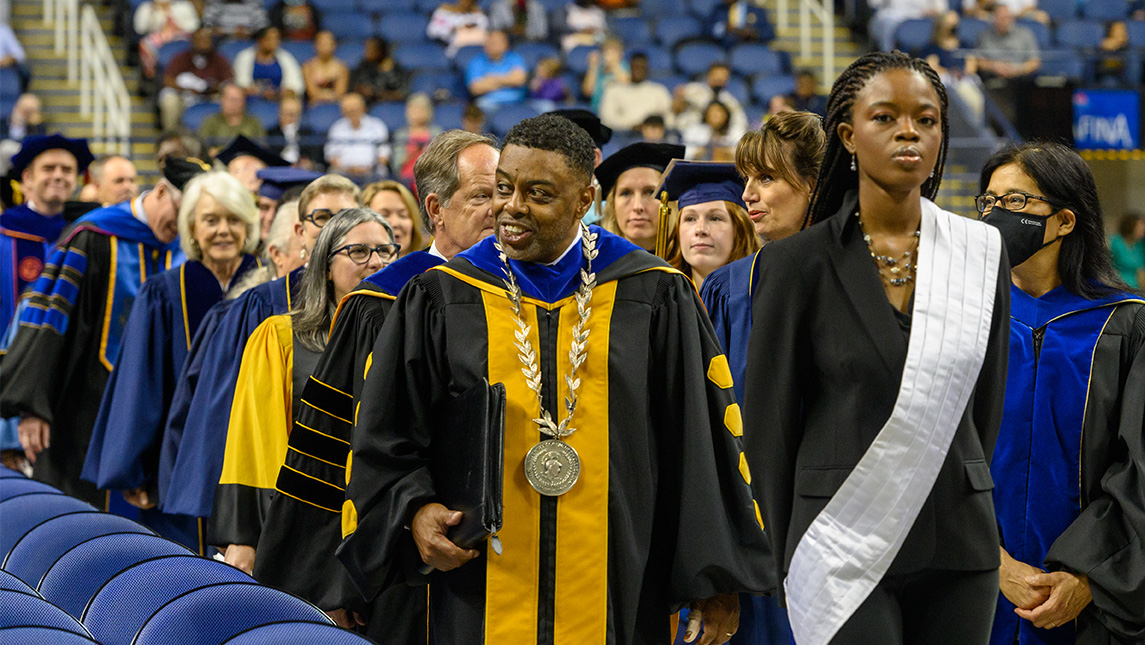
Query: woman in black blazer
(872,407)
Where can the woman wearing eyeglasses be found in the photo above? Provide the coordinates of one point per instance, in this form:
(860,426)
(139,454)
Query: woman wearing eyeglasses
(278,358)
(1069,464)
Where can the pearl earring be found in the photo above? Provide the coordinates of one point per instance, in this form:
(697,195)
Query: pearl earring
(853,166)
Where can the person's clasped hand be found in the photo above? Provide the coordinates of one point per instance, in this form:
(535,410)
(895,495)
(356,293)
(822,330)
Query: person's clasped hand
(1068,595)
(713,621)
(430,526)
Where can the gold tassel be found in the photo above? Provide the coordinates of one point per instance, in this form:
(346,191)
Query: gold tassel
(17,193)
(662,226)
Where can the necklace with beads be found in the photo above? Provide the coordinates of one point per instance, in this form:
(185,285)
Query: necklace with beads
(895,271)
(553,466)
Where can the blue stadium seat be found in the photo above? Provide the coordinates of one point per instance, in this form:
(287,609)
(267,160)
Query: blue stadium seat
(405,27)
(695,58)
(670,30)
(75,577)
(751,59)
(913,35)
(320,117)
(1059,10)
(664,8)
(125,602)
(508,116)
(9,82)
(1105,10)
(194,115)
(659,59)
(6,472)
(1136,30)
(330,8)
(739,89)
(576,61)
(1080,34)
(231,48)
(632,30)
(291,633)
(18,609)
(14,486)
(215,613)
(1062,63)
(348,25)
(22,513)
(425,6)
(533,53)
(553,5)
(969,29)
(302,51)
(703,8)
(448,115)
(419,56)
(440,86)
(462,56)
(670,81)
(766,87)
(169,50)
(383,6)
(350,53)
(1040,31)
(263,110)
(43,636)
(12,583)
(392,113)
(39,549)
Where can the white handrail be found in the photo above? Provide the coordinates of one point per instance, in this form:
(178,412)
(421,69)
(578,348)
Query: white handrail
(103,92)
(822,12)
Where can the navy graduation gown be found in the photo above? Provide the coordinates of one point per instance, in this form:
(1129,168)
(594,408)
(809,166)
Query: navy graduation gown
(198,456)
(26,238)
(124,449)
(1069,463)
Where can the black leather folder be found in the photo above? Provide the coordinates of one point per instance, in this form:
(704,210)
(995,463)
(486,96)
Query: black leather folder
(468,462)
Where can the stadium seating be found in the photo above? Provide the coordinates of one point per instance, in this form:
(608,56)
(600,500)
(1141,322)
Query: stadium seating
(9,82)
(20,485)
(670,30)
(320,117)
(350,53)
(751,59)
(12,583)
(231,48)
(8,473)
(302,51)
(263,110)
(194,115)
(1063,64)
(403,28)
(1105,10)
(439,85)
(577,60)
(169,50)
(448,115)
(23,512)
(969,29)
(331,8)
(766,87)
(392,113)
(348,24)
(533,53)
(695,58)
(1136,29)
(913,35)
(39,548)
(422,56)
(42,636)
(293,633)
(1040,31)
(19,609)
(1080,34)
(631,29)
(1059,10)
(509,115)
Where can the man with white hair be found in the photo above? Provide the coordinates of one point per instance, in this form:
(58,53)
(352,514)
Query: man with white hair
(70,332)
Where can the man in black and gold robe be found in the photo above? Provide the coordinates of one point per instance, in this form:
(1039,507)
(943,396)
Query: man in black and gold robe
(661,515)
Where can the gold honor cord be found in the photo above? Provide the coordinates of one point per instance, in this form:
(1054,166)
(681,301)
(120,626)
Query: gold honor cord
(662,231)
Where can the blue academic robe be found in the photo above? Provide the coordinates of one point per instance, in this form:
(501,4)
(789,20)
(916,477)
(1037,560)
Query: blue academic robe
(727,295)
(123,452)
(1058,447)
(26,239)
(198,438)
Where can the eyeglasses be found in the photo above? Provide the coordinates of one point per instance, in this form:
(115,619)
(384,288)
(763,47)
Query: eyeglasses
(360,253)
(319,216)
(1014,201)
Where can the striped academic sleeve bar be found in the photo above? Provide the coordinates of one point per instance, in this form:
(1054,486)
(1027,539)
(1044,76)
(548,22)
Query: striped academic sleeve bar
(310,490)
(319,446)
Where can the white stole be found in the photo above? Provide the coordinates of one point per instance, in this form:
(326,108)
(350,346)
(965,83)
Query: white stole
(852,542)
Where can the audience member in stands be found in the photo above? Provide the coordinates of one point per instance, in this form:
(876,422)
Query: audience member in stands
(231,120)
(581,22)
(806,96)
(709,140)
(653,130)
(234,18)
(293,140)
(327,77)
(473,119)
(378,77)
(778,103)
(958,72)
(627,104)
(1008,58)
(12,55)
(397,204)
(521,19)
(192,77)
(412,139)
(739,21)
(892,13)
(27,119)
(158,22)
(177,144)
(690,101)
(358,145)
(458,25)
(297,20)
(1128,247)
(266,69)
(605,67)
(114,178)
(548,89)
(1111,54)
(983,9)
(496,76)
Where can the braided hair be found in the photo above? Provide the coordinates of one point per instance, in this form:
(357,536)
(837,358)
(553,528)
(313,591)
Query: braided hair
(835,175)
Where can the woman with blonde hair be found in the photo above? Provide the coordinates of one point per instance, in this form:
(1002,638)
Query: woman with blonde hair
(219,228)
(628,181)
(397,204)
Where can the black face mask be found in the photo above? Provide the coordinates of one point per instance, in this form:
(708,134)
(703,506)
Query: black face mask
(1022,233)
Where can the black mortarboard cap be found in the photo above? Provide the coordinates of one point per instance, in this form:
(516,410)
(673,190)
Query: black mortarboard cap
(638,155)
(699,182)
(36,145)
(277,180)
(243,146)
(180,170)
(589,122)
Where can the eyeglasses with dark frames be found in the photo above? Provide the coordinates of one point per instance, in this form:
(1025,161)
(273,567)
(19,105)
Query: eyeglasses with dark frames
(1014,201)
(361,253)
(319,216)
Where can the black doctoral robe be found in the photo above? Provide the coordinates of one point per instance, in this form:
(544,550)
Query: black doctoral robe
(662,512)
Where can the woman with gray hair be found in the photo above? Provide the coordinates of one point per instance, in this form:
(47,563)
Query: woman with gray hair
(218,227)
(277,361)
